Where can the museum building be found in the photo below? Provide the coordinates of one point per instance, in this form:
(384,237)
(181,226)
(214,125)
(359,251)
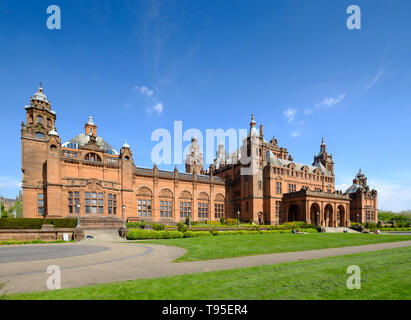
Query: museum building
(260,181)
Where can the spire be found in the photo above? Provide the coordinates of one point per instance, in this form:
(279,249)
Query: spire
(125,145)
(252,123)
(90,121)
(322,147)
(39,95)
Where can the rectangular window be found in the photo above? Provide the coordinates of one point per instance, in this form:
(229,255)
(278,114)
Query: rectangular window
(185,209)
(40,204)
(218,210)
(73,201)
(278,187)
(144,208)
(112,203)
(277,208)
(203,210)
(165,209)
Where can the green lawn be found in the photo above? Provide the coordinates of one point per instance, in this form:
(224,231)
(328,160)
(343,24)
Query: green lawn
(385,274)
(217,247)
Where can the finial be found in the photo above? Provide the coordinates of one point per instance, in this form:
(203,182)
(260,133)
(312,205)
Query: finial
(41,87)
(322,139)
(90,121)
(252,123)
(125,145)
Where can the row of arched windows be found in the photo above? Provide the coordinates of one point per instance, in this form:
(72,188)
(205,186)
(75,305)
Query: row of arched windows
(40,120)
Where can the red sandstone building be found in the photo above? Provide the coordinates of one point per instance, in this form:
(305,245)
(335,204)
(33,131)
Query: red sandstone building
(86,176)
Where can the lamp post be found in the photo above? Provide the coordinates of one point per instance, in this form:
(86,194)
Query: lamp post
(78,215)
(238,219)
(189,221)
(276,219)
(318,218)
(358,218)
(124,220)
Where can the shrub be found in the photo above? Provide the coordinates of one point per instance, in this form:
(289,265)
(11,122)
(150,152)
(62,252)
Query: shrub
(158,226)
(134,224)
(187,220)
(182,227)
(192,234)
(231,221)
(136,234)
(222,220)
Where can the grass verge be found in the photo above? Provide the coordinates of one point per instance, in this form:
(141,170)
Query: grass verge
(385,274)
(218,247)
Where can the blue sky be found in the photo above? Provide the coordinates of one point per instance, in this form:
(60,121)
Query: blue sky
(210,64)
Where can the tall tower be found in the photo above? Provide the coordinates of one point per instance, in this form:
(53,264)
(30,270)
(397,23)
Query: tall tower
(220,156)
(40,156)
(324,158)
(194,159)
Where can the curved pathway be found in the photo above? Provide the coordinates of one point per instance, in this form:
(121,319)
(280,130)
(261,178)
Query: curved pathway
(87,263)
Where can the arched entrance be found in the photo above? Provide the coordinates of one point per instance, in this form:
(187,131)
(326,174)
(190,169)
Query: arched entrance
(341,216)
(328,216)
(315,214)
(293,213)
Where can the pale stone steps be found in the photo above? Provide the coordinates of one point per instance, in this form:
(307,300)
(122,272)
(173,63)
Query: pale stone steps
(103,235)
(339,230)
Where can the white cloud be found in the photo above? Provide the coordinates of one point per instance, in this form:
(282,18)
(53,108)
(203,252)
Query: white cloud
(144,90)
(157,108)
(290,113)
(9,186)
(295,134)
(396,197)
(308,111)
(374,80)
(391,196)
(330,101)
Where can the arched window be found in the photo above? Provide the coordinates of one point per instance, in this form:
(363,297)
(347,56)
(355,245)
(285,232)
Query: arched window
(39,135)
(39,119)
(92,157)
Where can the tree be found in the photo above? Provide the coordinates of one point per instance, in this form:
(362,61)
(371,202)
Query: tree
(3,212)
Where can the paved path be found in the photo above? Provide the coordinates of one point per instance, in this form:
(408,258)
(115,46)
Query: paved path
(86,263)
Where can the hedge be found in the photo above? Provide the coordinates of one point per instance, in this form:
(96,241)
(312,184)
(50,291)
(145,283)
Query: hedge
(221,233)
(35,223)
(393,229)
(156,226)
(192,234)
(135,234)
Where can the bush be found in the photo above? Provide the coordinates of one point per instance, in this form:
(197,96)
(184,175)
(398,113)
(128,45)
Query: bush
(222,220)
(134,224)
(182,227)
(36,223)
(231,221)
(158,226)
(136,234)
(192,234)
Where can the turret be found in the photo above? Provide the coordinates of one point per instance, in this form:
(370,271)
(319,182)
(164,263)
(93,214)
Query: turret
(324,158)
(194,159)
(90,127)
